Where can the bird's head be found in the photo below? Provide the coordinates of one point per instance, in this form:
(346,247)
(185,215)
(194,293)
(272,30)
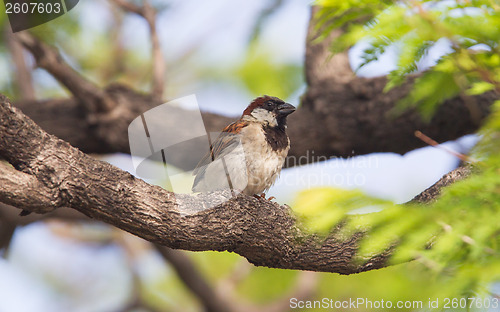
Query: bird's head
(268,110)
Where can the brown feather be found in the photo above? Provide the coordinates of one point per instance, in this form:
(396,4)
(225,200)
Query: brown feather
(235,127)
(225,139)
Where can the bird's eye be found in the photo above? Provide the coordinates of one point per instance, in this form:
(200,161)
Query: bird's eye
(269,104)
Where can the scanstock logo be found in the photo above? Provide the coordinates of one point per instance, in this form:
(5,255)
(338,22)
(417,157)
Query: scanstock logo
(24,14)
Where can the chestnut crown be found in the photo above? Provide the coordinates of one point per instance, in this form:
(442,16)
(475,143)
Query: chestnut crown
(270,110)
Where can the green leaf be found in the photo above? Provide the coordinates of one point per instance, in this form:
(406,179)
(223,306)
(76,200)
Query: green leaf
(321,209)
(479,88)
(429,91)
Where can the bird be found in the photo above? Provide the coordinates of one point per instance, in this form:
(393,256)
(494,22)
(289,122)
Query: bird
(249,153)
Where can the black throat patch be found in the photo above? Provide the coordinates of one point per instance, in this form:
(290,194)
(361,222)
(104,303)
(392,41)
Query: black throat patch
(276,137)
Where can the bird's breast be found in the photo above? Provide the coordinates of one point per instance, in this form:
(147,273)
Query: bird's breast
(263,159)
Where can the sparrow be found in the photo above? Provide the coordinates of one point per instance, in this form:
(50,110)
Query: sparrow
(249,153)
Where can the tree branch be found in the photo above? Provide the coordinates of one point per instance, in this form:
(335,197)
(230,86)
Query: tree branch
(158,65)
(432,193)
(190,275)
(53,174)
(65,119)
(24,190)
(6,232)
(92,97)
(261,231)
(24,82)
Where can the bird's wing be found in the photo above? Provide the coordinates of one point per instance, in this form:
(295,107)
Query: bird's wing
(227,140)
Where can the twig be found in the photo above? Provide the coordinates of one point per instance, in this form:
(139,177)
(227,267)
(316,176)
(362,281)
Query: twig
(435,144)
(92,97)
(137,300)
(6,232)
(158,67)
(24,80)
(263,17)
(193,279)
(118,49)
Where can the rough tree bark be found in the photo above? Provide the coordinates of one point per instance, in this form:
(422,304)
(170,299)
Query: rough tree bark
(44,173)
(47,173)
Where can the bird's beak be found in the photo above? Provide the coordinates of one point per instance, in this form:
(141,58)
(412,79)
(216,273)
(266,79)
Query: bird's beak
(285,109)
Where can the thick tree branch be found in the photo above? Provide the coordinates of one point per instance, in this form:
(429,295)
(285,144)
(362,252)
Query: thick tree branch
(261,231)
(65,119)
(58,175)
(332,130)
(98,133)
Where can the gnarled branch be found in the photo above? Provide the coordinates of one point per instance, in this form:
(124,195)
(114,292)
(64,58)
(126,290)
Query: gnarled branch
(263,232)
(58,175)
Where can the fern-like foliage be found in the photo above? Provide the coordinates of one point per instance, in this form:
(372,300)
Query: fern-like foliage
(471,27)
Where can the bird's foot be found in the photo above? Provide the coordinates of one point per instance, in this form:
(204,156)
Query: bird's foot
(263,196)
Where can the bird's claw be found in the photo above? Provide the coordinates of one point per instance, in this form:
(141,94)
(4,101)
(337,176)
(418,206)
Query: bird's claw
(263,196)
